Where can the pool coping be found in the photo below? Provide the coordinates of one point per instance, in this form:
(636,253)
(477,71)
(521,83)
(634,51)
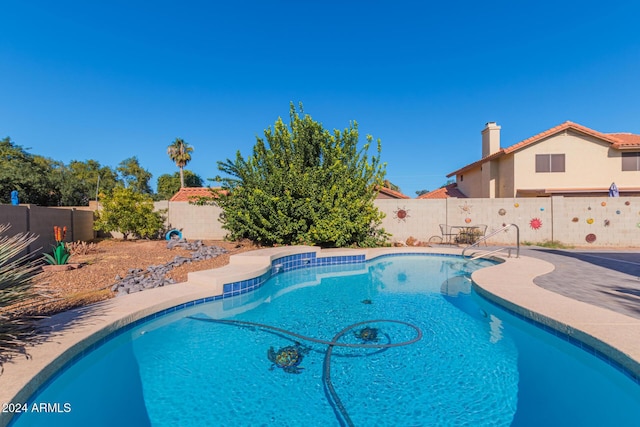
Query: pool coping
(509,284)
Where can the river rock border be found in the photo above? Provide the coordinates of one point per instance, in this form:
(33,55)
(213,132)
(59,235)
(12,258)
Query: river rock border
(154,276)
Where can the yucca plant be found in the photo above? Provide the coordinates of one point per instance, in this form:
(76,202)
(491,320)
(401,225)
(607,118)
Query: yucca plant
(17,285)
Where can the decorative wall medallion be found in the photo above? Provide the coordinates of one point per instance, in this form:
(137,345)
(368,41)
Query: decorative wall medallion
(590,238)
(603,204)
(607,222)
(401,214)
(535,223)
(466,208)
(467,220)
(589,220)
(575,219)
(502,212)
(627,203)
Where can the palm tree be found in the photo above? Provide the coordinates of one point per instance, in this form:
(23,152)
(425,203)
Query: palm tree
(180,153)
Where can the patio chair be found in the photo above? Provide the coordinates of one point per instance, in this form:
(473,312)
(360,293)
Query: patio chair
(447,234)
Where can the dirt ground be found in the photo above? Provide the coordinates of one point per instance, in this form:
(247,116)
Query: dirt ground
(92,282)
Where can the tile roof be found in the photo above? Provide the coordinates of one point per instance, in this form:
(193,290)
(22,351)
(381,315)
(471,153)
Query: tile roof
(447,191)
(626,140)
(392,193)
(617,140)
(187,194)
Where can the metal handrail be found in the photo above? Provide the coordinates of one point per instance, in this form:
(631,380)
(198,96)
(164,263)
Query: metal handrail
(484,238)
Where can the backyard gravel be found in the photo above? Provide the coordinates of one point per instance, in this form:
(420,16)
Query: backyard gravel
(103,271)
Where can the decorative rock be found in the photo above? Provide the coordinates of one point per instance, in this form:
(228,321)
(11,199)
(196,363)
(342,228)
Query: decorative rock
(155,275)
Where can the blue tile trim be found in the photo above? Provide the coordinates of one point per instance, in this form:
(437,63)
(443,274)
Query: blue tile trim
(284,264)
(571,340)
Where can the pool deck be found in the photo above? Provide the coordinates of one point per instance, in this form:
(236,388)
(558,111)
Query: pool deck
(590,296)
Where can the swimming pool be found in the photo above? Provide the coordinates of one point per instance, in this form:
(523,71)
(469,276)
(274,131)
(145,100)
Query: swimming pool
(474,364)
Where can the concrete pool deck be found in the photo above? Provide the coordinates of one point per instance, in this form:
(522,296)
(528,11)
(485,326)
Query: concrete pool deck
(512,284)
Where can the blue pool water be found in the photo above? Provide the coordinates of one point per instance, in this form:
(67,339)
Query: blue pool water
(473,365)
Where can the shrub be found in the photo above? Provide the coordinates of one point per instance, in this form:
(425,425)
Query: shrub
(130,213)
(304,185)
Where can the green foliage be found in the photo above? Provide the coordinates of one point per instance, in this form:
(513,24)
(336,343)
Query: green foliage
(16,286)
(180,153)
(46,182)
(29,174)
(60,255)
(134,176)
(168,185)
(553,244)
(304,185)
(83,180)
(129,212)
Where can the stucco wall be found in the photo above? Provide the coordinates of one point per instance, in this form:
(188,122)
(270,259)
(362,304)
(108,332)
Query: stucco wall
(589,163)
(471,183)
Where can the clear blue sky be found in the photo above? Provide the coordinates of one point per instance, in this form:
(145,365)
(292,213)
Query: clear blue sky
(109,80)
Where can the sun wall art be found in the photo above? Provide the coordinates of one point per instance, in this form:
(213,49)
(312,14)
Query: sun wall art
(535,223)
(401,214)
(465,209)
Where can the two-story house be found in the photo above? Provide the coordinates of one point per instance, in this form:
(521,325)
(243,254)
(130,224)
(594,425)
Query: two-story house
(567,160)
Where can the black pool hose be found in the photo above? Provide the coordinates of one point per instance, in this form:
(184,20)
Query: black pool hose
(334,399)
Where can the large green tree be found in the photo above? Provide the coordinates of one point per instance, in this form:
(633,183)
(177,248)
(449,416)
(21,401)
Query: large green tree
(134,175)
(180,153)
(168,185)
(304,184)
(28,174)
(80,182)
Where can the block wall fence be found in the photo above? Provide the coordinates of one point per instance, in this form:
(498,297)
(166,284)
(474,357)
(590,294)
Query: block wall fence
(40,221)
(614,222)
(577,221)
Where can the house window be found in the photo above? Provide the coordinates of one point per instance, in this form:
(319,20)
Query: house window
(631,161)
(549,162)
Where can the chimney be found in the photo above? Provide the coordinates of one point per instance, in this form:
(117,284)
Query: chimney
(490,139)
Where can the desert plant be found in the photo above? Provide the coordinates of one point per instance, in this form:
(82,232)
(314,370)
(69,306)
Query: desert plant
(17,273)
(81,248)
(60,254)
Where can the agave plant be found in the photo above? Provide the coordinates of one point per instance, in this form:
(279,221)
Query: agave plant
(17,273)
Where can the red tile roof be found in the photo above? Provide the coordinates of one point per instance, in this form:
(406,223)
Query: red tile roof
(447,191)
(392,193)
(617,140)
(187,194)
(626,140)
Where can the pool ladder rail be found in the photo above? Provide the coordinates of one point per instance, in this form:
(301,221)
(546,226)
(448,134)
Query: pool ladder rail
(483,254)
